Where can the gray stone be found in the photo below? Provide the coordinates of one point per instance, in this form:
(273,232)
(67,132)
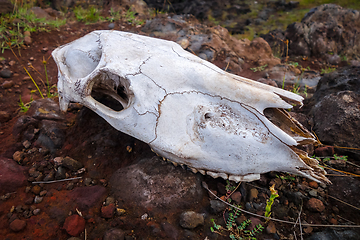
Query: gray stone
(153,183)
(331,234)
(38,199)
(6,73)
(71,164)
(217,206)
(191,219)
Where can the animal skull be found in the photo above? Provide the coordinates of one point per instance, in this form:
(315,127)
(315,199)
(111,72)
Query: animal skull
(187,109)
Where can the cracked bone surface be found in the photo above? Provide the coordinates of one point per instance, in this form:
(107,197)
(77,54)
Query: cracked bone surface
(187,109)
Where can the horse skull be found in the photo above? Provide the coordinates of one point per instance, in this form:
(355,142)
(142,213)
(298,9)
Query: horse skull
(187,109)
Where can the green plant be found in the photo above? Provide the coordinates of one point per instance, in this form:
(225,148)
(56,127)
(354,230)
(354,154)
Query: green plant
(90,15)
(259,69)
(114,15)
(15,26)
(130,17)
(327,70)
(286,177)
(335,157)
(235,232)
(270,201)
(24,107)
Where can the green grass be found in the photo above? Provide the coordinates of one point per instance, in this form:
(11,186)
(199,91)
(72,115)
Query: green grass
(14,25)
(87,15)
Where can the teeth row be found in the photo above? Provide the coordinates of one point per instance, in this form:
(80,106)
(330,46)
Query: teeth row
(215,174)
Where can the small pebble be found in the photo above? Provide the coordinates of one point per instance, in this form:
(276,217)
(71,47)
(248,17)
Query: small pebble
(87,181)
(191,219)
(18,156)
(7,84)
(315,205)
(313,193)
(36,189)
(26,144)
(6,73)
(38,199)
(36,211)
(17,225)
(253,194)
(109,200)
(43,193)
(108,211)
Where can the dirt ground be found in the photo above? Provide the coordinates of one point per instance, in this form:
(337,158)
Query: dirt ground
(42,226)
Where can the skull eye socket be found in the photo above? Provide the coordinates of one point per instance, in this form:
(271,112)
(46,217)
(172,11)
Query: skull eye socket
(111,90)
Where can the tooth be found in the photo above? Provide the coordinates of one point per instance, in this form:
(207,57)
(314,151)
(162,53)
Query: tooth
(202,172)
(235,178)
(212,174)
(194,170)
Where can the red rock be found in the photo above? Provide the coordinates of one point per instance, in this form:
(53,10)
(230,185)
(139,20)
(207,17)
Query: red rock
(315,205)
(17,225)
(74,225)
(271,228)
(86,197)
(108,211)
(325,151)
(313,184)
(11,175)
(254,222)
(236,196)
(7,84)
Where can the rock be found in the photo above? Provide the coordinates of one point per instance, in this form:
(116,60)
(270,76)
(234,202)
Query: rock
(60,173)
(6,7)
(109,200)
(4,116)
(253,194)
(340,126)
(7,84)
(74,225)
(41,13)
(325,29)
(217,206)
(108,211)
(111,26)
(313,193)
(191,219)
(17,225)
(326,151)
(11,175)
(24,128)
(315,205)
(331,234)
(313,184)
(271,228)
(345,189)
(142,183)
(27,38)
(114,234)
(236,197)
(71,164)
(36,189)
(38,199)
(36,211)
(52,135)
(6,73)
(86,197)
(18,156)
(45,108)
(254,222)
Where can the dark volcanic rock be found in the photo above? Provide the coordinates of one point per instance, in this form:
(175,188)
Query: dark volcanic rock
(328,28)
(11,175)
(340,127)
(152,183)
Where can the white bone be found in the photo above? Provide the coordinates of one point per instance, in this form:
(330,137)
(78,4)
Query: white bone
(187,109)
